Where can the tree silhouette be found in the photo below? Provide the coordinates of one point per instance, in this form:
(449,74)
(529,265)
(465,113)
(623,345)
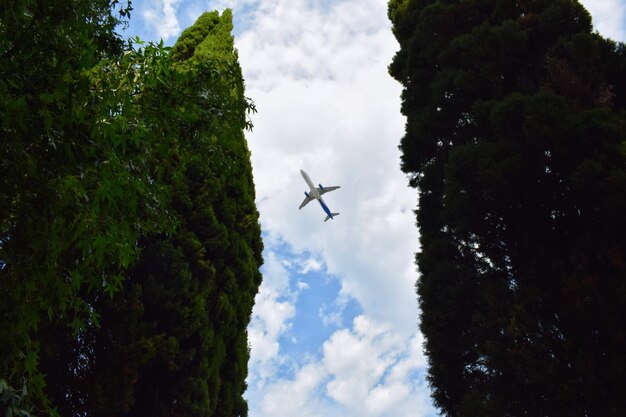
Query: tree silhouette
(515,139)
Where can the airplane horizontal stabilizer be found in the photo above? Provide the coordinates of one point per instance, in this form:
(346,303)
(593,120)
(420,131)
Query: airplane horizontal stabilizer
(328,217)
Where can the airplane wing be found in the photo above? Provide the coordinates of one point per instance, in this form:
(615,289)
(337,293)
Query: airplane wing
(306,201)
(324,190)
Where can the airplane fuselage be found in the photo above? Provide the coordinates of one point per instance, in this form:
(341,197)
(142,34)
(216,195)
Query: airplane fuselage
(313,193)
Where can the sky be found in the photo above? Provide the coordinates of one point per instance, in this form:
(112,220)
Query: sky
(334,330)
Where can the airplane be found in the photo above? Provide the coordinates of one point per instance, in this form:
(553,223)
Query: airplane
(316,194)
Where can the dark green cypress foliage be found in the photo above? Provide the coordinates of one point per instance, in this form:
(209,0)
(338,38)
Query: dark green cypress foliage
(515,138)
(174,342)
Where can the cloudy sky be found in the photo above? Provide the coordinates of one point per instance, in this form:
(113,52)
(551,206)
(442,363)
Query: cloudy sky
(334,330)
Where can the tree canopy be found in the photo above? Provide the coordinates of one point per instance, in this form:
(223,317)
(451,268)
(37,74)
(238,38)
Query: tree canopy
(174,341)
(515,139)
(129,238)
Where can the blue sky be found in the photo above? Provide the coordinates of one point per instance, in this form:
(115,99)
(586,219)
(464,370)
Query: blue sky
(334,331)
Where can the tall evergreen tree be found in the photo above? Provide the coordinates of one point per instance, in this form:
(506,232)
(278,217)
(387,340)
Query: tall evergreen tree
(515,138)
(174,340)
(110,150)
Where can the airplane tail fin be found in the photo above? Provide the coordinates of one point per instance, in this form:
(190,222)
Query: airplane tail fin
(329,217)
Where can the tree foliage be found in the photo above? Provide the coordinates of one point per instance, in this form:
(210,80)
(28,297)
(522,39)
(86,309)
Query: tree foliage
(516,114)
(174,341)
(76,168)
(129,239)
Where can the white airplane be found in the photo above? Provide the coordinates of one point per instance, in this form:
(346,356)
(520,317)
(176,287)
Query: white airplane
(316,194)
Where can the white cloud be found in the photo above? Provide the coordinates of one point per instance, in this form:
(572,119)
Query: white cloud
(303,286)
(357,359)
(374,371)
(609,17)
(310,265)
(272,317)
(330,316)
(326,104)
(367,371)
(160,16)
(296,397)
(273,310)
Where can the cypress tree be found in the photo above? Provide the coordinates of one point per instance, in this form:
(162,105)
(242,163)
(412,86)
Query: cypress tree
(174,340)
(129,244)
(516,114)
